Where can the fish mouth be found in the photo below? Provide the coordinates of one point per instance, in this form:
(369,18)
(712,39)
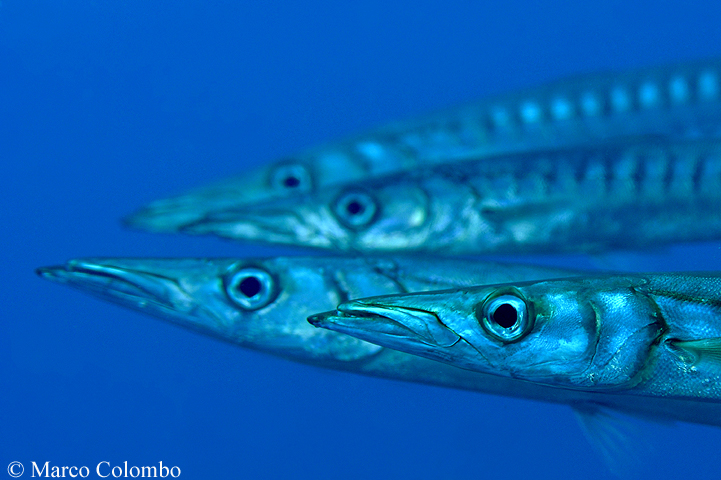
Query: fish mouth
(267,225)
(296,221)
(172,214)
(387,325)
(162,217)
(117,283)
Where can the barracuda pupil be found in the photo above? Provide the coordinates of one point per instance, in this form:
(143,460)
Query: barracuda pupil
(291,181)
(355,208)
(505,315)
(250,287)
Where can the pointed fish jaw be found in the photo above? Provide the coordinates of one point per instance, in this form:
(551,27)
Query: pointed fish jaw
(266,183)
(408,330)
(285,222)
(192,293)
(138,284)
(164,216)
(109,280)
(172,214)
(358,318)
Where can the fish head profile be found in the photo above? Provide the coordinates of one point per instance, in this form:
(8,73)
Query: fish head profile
(307,172)
(575,333)
(385,214)
(257,303)
(171,214)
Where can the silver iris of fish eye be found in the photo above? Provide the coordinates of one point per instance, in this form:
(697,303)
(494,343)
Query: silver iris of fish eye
(251,288)
(355,209)
(291,176)
(505,316)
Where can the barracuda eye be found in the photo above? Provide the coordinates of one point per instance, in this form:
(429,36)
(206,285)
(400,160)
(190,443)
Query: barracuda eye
(506,317)
(291,176)
(250,288)
(355,209)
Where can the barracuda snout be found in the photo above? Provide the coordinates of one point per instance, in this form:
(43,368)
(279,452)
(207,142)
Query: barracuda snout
(111,281)
(366,319)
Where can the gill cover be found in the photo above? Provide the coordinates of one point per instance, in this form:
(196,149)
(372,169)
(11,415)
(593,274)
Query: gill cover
(581,333)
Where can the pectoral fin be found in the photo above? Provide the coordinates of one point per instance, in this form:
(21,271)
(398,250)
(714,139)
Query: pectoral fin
(707,349)
(615,437)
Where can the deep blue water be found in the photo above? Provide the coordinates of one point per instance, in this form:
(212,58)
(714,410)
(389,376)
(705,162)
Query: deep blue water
(105,106)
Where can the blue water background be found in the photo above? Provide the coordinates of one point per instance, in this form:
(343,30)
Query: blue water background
(106,105)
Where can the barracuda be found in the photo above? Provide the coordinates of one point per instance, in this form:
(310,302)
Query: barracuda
(263,303)
(626,195)
(676,101)
(652,338)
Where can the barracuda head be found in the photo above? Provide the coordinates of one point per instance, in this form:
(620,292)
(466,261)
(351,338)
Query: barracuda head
(257,303)
(591,334)
(385,214)
(310,171)
(265,182)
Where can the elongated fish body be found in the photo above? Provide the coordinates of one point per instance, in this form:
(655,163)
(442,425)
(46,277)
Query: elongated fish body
(677,102)
(262,304)
(628,195)
(651,336)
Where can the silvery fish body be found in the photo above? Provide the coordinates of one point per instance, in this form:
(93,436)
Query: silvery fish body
(653,337)
(628,194)
(676,101)
(262,304)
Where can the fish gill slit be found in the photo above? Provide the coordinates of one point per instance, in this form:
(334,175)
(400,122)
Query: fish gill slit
(657,312)
(336,284)
(597,323)
(393,277)
(389,273)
